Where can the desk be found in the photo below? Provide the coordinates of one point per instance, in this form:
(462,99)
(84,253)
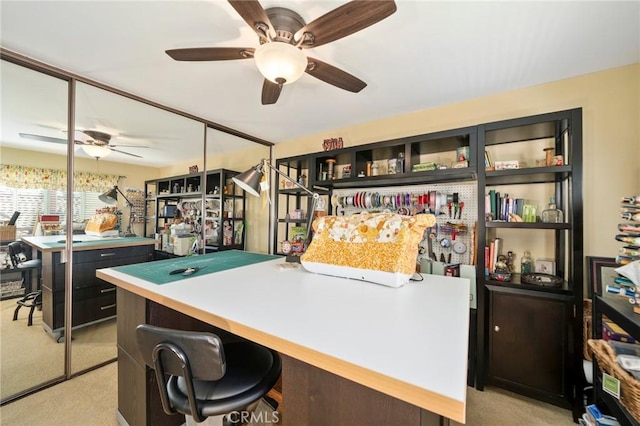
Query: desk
(93,300)
(348,346)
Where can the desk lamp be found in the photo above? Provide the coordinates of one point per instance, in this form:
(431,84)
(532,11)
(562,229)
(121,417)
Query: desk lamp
(251,180)
(111,197)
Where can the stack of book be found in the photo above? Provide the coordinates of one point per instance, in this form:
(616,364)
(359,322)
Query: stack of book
(502,206)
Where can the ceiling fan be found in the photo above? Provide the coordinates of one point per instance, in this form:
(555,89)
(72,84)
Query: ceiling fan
(283,34)
(93,142)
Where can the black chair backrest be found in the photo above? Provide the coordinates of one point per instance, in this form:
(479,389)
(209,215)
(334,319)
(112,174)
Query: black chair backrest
(14,218)
(15,249)
(204,351)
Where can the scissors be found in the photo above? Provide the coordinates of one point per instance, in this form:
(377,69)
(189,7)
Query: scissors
(187,271)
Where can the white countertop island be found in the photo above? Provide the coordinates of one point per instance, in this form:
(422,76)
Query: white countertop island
(410,342)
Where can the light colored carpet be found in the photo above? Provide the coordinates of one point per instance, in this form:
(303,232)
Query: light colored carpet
(29,356)
(69,403)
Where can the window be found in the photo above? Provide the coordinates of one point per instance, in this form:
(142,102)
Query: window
(32,202)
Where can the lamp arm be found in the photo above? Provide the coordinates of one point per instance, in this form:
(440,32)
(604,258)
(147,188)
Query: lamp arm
(129,231)
(304,188)
(129,203)
(315,197)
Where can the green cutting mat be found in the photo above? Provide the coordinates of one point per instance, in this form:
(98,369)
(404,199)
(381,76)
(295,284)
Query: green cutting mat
(158,272)
(60,242)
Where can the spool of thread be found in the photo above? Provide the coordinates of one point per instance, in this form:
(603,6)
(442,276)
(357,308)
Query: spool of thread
(330,163)
(548,160)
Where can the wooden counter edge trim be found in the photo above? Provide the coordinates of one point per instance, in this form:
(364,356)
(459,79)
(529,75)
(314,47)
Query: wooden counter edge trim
(439,404)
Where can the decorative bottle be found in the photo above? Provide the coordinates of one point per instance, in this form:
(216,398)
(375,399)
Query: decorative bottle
(552,214)
(526,264)
(400,163)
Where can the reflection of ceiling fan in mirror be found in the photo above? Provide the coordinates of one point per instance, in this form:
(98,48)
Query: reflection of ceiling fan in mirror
(283,34)
(93,142)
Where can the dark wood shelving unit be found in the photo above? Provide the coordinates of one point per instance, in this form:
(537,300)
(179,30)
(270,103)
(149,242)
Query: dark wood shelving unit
(620,311)
(557,375)
(203,187)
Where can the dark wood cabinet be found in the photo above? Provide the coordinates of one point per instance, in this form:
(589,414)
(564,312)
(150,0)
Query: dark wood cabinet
(93,299)
(528,342)
(539,345)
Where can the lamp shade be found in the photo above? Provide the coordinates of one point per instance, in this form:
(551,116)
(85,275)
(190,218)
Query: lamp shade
(96,151)
(250,180)
(280,62)
(110,196)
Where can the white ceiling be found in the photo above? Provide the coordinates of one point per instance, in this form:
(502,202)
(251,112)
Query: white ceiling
(427,54)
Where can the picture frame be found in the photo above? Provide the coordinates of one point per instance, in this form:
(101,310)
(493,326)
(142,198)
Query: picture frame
(545,266)
(600,273)
(487,159)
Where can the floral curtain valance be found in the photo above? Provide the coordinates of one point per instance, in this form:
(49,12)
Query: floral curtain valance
(35,178)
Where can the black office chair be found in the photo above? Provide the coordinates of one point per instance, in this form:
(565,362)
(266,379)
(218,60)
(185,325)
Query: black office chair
(207,378)
(20,261)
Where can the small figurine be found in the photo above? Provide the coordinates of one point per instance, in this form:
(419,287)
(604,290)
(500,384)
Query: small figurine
(511,257)
(501,264)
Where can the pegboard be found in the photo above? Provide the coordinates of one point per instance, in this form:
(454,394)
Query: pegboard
(136,197)
(467,194)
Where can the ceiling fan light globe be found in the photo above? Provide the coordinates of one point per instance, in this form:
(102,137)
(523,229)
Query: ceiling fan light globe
(96,150)
(280,62)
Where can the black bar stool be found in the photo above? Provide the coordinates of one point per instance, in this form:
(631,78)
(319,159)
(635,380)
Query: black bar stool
(207,379)
(20,261)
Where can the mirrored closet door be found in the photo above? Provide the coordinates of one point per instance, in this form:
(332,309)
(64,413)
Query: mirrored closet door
(34,169)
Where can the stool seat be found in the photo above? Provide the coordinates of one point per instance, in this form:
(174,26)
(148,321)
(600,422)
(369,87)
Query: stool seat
(33,297)
(207,378)
(30,264)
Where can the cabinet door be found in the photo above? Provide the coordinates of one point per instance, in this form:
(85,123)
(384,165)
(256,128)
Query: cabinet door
(528,342)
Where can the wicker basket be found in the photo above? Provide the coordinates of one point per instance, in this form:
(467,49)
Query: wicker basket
(587,328)
(629,386)
(8,233)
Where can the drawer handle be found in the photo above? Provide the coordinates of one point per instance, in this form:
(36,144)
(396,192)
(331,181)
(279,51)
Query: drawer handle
(496,328)
(104,308)
(107,290)
(107,254)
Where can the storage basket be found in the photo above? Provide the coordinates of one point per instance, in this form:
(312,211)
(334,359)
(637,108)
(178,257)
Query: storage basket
(8,233)
(629,386)
(587,328)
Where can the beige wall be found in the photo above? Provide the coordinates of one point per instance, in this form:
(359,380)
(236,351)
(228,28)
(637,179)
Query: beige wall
(611,137)
(611,127)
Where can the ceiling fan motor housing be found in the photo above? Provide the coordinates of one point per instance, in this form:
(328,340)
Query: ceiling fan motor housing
(285,23)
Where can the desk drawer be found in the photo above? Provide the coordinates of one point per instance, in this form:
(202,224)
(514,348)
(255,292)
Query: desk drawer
(86,310)
(84,273)
(120,253)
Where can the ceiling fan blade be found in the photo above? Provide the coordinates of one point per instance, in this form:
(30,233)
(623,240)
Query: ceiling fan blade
(123,152)
(270,92)
(253,14)
(334,76)
(345,20)
(126,146)
(211,53)
(42,138)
